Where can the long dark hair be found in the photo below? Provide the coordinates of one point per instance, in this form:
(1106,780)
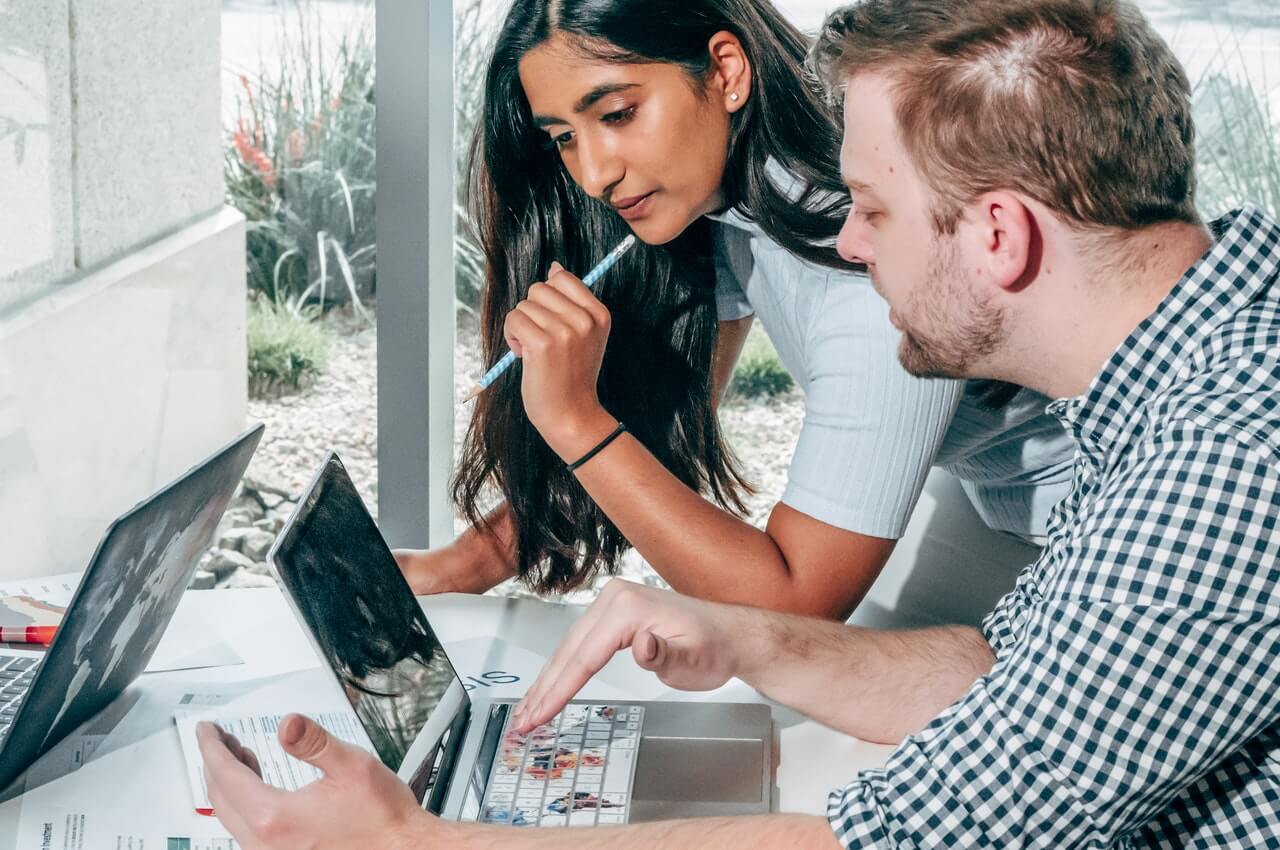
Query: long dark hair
(656,375)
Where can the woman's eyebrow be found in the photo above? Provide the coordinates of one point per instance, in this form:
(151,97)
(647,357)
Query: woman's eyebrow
(586,102)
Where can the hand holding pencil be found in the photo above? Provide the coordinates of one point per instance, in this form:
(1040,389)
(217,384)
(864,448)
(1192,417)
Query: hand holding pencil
(560,332)
(592,278)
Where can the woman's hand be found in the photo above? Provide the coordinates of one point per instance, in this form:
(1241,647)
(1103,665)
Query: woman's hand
(560,332)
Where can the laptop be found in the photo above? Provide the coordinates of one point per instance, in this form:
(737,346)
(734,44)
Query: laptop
(593,764)
(119,612)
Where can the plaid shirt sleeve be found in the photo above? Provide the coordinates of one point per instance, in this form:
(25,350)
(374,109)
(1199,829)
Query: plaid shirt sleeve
(1139,653)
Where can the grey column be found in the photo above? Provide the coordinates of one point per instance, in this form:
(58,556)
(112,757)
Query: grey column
(415,269)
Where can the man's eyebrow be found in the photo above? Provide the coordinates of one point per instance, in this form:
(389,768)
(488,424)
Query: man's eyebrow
(585,102)
(858,186)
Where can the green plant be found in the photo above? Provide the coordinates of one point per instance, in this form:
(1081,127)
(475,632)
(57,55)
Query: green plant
(299,163)
(287,348)
(759,371)
(473,44)
(1237,144)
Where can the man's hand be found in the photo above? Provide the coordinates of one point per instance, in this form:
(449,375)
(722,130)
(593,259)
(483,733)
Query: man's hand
(357,803)
(691,645)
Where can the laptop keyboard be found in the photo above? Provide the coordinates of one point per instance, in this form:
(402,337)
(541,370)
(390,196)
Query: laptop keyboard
(16,675)
(575,770)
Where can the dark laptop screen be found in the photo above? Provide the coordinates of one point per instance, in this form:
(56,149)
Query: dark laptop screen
(129,593)
(370,629)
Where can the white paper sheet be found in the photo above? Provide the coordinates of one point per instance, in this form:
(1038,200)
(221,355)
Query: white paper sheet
(185,645)
(63,829)
(497,669)
(258,732)
(56,590)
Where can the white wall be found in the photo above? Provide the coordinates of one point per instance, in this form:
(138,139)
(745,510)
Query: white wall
(122,287)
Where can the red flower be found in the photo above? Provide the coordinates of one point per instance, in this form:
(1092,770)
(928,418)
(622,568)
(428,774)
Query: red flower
(255,159)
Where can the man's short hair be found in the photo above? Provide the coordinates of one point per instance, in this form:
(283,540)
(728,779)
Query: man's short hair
(1075,103)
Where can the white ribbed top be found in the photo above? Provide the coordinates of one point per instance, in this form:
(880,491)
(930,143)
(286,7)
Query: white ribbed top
(871,432)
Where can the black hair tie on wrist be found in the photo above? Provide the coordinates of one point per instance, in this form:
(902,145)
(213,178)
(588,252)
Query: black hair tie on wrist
(599,447)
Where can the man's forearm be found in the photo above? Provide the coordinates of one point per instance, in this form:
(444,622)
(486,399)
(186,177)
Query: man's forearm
(766,832)
(874,684)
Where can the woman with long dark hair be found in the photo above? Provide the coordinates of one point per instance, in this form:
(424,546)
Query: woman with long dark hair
(693,125)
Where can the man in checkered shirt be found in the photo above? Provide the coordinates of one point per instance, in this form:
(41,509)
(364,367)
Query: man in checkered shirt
(1022,174)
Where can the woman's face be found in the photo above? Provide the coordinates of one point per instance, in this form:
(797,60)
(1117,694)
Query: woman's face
(639,137)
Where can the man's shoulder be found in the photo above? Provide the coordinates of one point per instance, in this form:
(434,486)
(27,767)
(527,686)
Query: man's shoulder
(1185,515)
(1231,390)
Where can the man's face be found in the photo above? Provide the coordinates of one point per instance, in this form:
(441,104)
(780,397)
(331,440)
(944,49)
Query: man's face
(947,318)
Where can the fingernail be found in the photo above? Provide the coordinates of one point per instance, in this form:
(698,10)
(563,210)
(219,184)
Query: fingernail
(555,267)
(292,729)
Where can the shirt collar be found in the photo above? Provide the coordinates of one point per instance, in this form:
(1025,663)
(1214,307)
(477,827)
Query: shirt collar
(1241,264)
(733,217)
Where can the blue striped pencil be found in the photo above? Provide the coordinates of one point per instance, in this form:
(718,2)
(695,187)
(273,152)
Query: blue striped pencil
(592,278)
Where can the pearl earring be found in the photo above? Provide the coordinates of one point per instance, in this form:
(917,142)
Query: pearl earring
(733,95)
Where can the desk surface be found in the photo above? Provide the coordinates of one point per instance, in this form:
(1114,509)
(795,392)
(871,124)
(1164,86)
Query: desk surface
(135,782)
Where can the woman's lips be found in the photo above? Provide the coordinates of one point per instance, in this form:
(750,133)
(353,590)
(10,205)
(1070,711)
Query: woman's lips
(634,207)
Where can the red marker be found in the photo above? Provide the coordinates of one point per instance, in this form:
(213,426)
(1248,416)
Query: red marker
(28,634)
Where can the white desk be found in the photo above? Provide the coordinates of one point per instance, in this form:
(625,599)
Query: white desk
(135,784)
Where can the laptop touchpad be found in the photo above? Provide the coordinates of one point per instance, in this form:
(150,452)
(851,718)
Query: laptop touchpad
(692,770)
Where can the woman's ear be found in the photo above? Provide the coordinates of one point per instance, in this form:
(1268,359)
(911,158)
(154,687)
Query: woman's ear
(730,70)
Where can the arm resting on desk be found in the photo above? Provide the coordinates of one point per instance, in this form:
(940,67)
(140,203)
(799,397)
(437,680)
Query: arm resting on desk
(765,832)
(875,685)
(360,803)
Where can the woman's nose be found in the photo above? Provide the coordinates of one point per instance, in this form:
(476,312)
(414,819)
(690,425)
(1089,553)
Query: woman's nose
(599,167)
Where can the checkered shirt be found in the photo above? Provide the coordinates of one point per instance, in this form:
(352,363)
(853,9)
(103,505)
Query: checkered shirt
(1133,702)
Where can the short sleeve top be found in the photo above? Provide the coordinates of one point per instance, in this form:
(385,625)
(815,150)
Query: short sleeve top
(871,431)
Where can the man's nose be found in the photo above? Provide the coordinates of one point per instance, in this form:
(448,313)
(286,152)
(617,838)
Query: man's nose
(853,244)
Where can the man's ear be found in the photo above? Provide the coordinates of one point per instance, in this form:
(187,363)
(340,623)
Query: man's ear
(1010,239)
(731,69)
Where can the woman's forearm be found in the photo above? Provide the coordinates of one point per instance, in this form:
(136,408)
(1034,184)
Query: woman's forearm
(705,551)
(484,555)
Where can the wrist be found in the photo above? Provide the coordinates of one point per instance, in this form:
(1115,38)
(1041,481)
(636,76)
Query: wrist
(753,648)
(423,830)
(574,436)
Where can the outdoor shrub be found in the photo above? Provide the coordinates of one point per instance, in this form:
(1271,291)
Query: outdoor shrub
(473,43)
(1237,145)
(759,372)
(299,163)
(287,349)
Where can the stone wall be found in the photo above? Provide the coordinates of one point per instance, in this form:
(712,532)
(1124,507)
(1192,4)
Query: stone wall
(122,353)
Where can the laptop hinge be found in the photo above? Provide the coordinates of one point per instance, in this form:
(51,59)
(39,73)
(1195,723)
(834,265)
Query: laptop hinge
(448,759)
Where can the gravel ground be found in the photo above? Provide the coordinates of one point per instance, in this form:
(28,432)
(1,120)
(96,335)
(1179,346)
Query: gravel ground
(338,412)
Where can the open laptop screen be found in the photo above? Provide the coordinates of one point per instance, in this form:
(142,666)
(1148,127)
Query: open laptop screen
(364,619)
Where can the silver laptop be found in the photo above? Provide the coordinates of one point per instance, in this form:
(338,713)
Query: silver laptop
(593,764)
(119,612)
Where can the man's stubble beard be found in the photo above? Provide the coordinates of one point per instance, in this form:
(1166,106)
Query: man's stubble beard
(948,328)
